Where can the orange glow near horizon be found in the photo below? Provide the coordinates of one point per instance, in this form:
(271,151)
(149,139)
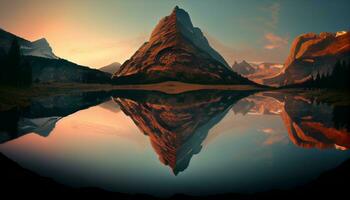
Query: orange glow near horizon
(72,33)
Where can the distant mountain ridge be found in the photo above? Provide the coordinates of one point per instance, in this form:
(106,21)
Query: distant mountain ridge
(177,51)
(257,72)
(111,68)
(243,68)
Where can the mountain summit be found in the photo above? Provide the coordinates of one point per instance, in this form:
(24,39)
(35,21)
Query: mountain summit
(177,51)
(38,48)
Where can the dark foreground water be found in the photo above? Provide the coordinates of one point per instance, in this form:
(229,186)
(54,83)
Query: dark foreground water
(197,143)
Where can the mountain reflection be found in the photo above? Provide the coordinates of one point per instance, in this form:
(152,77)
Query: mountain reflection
(177,124)
(310,124)
(43,113)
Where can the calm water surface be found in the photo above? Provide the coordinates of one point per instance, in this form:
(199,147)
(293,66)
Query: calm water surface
(201,142)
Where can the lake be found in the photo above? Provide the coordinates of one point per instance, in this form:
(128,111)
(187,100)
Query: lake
(197,143)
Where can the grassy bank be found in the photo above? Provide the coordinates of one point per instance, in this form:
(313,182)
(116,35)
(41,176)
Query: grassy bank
(20,97)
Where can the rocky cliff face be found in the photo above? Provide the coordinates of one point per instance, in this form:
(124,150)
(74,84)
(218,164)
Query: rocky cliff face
(177,124)
(177,51)
(310,54)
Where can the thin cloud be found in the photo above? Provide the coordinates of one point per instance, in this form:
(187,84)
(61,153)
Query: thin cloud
(274,41)
(249,53)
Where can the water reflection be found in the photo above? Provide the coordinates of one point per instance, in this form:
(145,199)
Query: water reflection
(44,112)
(232,141)
(310,124)
(177,124)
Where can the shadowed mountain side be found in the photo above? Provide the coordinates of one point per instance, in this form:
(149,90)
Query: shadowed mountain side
(111,68)
(43,114)
(177,124)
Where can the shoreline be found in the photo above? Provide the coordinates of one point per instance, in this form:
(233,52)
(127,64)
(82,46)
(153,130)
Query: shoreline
(20,97)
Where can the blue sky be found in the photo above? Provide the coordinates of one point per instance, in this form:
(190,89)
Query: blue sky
(96,33)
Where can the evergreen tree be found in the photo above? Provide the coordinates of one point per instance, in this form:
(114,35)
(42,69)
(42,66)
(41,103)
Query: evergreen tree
(13,62)
(15,70)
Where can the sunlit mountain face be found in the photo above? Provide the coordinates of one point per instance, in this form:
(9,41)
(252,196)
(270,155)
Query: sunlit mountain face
(120,141)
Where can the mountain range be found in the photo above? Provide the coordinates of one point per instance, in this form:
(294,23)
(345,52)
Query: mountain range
(257,72)
(177,51)
(46,66)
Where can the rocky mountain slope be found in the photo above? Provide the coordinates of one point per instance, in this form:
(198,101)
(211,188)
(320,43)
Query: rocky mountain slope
(310,54)
(177,51)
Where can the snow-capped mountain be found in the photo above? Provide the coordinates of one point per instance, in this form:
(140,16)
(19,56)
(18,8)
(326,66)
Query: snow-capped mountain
(257,71)
(38,48)
(46,66)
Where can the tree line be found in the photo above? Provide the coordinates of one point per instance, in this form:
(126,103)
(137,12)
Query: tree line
(338,78)
(15,70)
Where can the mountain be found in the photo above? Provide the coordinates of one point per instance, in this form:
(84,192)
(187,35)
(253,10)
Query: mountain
(177,124)
(46,66)
(257,72)
(111,68)
(39,48)
(60,70)
(311,54)
(243,68)
(177,51)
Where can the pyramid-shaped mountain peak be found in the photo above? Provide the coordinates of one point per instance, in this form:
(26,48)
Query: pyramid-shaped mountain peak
(177,51)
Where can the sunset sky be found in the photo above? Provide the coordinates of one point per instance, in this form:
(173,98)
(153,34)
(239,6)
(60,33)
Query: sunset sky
(97,33)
